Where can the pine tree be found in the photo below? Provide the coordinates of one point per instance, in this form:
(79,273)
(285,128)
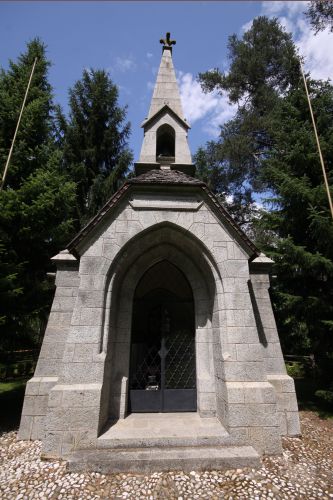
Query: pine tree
(302,246)
(269,147)
(37,202)
(36,120)
(320,15)
(264,65)
(96,152)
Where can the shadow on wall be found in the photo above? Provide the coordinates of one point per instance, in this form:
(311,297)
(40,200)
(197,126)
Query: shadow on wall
(260,327)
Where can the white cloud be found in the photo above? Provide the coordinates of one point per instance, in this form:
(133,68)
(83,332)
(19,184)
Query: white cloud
(287,23)
(318,58)
(124,64)
(247,26)
(314,48)
(212,109)
(149,55)
(274,8)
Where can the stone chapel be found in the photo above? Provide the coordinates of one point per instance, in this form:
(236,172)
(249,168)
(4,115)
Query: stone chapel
(161,350)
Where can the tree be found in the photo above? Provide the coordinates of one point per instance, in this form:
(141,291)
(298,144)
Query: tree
(95,144)
(36,120)
(214,167)
(36,216)
(302,245)
(269,147)
(320,15)
(264,66)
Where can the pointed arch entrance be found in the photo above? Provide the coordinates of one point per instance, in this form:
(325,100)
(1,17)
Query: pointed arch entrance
(162,364)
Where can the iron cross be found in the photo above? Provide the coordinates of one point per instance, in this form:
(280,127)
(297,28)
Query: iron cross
(167,42)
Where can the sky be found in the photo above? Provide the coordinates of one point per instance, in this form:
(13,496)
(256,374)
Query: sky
(123,38)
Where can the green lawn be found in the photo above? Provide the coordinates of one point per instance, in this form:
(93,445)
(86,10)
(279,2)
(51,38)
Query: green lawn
(11,386)
(11,401)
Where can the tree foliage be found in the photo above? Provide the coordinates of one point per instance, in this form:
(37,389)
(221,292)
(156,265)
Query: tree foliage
(96,154)
(36,121)
(269,148)
(320,15)
(36,216)
(263,65)
(302,245)
(61,172)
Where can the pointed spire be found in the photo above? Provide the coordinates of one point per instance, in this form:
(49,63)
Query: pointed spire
(166,88)
(165,145)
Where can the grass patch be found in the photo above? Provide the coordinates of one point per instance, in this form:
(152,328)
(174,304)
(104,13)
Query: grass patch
(11,401)
(12,386)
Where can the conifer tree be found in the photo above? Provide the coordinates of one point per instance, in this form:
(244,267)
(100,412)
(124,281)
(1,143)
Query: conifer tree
(269,147)
(95,147)
(320,15)
(299,218)
(36,204)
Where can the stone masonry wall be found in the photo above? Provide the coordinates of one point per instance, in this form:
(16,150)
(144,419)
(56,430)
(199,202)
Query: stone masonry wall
(51,354)
(245,399)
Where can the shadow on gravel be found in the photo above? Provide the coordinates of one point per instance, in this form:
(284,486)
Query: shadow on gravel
(11,402)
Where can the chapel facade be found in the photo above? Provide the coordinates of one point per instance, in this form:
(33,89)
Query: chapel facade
(161,340)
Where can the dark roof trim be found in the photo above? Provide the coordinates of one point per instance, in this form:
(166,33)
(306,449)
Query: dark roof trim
(220,210)
(161,111)
(112,202)
(170,177)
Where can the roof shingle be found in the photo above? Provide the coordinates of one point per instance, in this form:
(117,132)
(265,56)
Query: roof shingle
(157,176)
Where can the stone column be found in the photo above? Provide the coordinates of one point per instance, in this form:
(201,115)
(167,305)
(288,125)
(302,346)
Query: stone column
(246,400)
(50,358)
(273,357)
(73,417)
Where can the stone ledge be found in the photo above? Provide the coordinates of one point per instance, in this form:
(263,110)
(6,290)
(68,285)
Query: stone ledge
(153,459)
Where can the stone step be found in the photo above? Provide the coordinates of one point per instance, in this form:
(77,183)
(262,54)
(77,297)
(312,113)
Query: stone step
(146,460)
(164,430)
(165,441)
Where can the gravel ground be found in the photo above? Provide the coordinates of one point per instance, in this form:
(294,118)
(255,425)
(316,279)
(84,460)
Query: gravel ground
(305,471)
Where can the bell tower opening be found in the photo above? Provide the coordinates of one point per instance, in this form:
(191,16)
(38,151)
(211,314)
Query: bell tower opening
(165,144)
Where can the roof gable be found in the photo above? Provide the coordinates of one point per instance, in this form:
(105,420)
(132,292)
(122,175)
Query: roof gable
(162,111)
(171,178)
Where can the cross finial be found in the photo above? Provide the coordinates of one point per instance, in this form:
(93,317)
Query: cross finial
(167,43)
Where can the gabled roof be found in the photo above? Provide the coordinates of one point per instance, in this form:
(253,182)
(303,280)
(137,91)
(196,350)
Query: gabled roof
(157,176)
(171,178)
(160,112)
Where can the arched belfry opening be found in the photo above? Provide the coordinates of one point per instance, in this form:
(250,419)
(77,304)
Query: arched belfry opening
(162,364)
(165,144)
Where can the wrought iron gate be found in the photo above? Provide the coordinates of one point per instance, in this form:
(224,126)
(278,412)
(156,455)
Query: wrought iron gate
(163,374)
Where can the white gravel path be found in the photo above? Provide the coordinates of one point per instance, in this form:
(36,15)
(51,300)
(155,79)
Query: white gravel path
(305,471)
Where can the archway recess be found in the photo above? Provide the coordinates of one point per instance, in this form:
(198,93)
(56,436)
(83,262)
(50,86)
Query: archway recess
(163,366)
(163,242)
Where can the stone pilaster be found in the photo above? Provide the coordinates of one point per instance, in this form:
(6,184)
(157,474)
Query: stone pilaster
(273,358)
(50,358)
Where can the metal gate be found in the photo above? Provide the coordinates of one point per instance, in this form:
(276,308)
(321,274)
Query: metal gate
(163,374)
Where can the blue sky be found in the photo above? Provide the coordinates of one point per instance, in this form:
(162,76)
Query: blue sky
(123,37)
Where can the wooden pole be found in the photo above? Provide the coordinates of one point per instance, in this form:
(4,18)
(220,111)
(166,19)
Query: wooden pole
(318,143)
(17,127)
